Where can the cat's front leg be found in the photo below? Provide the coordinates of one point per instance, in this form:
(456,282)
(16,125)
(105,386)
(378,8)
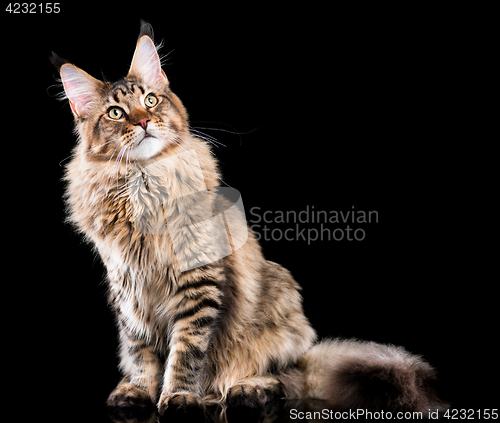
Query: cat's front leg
(191,332)
(144,370)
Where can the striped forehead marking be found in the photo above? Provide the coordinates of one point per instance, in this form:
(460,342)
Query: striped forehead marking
(125,89)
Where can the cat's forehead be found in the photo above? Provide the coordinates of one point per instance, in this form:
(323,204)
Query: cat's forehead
(123,90)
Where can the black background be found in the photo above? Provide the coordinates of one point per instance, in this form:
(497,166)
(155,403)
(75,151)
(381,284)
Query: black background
(329,108)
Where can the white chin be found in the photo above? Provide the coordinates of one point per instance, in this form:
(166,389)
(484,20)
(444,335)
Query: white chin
(149,147)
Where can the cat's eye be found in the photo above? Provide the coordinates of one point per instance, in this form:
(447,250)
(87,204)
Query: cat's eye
(151,100)
(115,113)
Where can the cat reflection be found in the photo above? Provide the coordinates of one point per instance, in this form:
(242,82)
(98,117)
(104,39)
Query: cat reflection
(279,411)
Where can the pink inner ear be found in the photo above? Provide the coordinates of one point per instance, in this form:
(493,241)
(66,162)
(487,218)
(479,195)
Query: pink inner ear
(161,77)
(77,99)
(73,108)
(146,62)
(81,88)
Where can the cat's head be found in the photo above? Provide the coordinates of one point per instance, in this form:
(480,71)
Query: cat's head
(138,115)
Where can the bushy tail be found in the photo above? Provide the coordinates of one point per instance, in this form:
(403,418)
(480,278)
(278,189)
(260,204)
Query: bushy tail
(352,374)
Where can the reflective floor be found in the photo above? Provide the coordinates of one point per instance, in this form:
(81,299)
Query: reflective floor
(279,411)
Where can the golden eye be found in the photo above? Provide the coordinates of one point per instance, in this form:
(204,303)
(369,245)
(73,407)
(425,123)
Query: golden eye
(115,113)
(151,100)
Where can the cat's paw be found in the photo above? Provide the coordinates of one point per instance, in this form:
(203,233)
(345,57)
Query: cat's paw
(187,407)
(248,403)
(129,395)
(247,396)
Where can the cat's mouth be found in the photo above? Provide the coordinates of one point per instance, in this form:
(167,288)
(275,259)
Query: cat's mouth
(148,149)
(146,136)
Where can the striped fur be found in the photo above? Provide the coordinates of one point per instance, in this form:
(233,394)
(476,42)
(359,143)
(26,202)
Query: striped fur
(231,330)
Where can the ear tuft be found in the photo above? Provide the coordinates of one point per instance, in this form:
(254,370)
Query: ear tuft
(146,29)
(57,61)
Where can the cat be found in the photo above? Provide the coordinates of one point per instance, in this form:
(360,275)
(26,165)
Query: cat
(202,316)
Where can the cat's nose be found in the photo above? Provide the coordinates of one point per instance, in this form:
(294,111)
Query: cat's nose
(143,122)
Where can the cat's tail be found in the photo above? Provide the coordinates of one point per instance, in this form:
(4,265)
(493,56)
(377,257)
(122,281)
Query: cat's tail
(352,374)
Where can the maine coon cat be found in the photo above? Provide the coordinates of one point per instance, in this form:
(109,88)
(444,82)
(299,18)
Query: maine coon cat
(202,316)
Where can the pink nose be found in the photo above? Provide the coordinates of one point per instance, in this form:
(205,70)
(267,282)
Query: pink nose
(143,122)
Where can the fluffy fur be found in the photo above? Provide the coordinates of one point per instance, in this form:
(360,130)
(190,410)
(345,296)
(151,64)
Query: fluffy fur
(366,375)
(202,316)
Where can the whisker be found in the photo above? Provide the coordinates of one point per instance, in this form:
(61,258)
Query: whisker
(105,172)
(225,130)
(207,138)
(69,157)
(102,145)
(88,153)
(101,182)
(118,162)
(190,140)
(228,131)
(127,162)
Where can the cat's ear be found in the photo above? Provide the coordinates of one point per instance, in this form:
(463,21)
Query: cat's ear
(81,89)
(146,62)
